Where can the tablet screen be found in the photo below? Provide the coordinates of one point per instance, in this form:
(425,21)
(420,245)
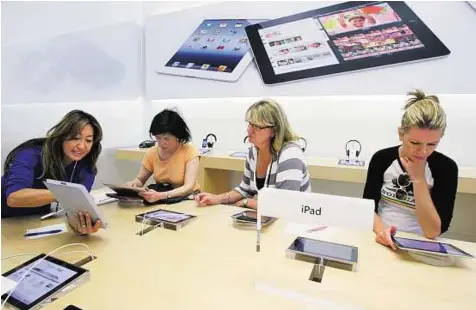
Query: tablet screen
(216,45)
(168,216)
(429,246)
(44,279)
(340,38)
(324,40)
(322,248)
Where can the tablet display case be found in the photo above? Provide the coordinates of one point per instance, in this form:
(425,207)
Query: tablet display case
(341,38)
(430,247)
(170,219)
(48,278)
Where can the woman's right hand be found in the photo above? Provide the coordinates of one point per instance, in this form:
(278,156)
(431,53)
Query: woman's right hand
(384,236)
(134,183)
(207,199)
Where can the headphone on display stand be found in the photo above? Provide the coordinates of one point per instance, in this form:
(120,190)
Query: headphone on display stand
(206,143)
(357,152)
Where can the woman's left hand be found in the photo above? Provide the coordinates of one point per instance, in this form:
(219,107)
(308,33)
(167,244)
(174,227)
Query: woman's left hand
(152,196)
(82,223)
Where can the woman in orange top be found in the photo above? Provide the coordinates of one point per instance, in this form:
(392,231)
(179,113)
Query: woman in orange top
(173,160)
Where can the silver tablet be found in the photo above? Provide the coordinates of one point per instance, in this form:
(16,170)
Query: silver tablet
(75,198)
(430,247)
(327,250)
(43,278)
(217,49)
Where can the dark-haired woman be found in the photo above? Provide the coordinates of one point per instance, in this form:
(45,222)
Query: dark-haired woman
(173,160)
(69,152)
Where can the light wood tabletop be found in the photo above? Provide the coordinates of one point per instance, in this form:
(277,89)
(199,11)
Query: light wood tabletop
(212,264)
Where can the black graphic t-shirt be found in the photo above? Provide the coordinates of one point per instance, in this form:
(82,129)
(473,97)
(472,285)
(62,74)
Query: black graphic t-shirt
(391,188)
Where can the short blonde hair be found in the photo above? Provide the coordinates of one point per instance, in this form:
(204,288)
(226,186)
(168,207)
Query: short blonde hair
(268,112)
(423,112)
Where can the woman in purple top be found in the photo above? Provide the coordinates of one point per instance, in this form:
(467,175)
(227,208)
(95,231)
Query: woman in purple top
(69,152)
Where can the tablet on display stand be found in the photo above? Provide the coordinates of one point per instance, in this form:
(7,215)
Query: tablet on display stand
(43,278)
(430,247)
(169,219)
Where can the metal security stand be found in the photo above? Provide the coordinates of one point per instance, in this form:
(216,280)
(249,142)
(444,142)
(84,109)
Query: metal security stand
(317,272)
(143,230)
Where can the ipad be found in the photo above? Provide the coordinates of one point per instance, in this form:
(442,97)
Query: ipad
(47,278)
(167,216)
(75,198)
(327,250)
(249,217)
(341,38)
(217,49)
(126,191)
(430,247)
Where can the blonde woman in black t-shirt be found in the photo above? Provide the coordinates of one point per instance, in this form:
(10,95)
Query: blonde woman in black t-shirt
(413,186)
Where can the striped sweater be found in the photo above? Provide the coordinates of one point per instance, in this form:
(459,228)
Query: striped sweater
(288,171)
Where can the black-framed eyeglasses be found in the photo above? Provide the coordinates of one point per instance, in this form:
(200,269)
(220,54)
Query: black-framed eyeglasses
(403,182)
(257,127)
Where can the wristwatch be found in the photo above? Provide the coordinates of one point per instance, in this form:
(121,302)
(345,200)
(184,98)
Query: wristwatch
(245,203)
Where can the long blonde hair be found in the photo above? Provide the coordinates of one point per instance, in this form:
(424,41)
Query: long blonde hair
(269,113)
(423,112)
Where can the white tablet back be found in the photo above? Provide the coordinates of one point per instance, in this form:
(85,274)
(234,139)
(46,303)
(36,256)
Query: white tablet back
(75,198)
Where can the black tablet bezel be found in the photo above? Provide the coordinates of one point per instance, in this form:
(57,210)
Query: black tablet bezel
(141,217)
(268,219)
(433,46)
(400,246)
(22,306)
(354,254)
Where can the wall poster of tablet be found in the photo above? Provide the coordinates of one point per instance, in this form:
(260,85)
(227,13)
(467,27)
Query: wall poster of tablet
(341,38)
(217,49)
(431,247)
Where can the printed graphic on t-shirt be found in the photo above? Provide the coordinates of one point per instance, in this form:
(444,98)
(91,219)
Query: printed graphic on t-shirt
(400,193)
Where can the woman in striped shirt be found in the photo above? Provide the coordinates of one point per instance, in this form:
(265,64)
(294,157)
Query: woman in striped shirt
(274,160)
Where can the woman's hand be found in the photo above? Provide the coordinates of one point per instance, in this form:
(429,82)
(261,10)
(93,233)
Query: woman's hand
(415,168)
(134,183)
(82,224)
(385,236)
(207,199)
(152,196)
